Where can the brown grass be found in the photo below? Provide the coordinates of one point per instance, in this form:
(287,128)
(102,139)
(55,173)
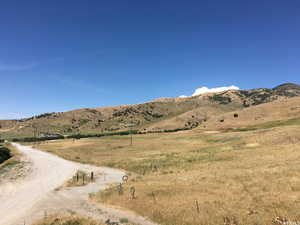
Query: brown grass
(249,176)
(273,113)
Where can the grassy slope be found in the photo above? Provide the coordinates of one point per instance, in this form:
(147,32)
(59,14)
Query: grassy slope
(270,124)
(193,117)
(228,174)
(265,115)
(99,119)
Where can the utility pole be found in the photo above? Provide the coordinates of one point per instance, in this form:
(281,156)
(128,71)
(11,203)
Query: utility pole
(130,125)
(35,130)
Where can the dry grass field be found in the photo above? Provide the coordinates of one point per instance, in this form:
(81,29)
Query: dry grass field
(268,114)
(196,177)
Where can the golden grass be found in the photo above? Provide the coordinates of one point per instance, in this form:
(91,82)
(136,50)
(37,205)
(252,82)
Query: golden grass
(282,112)
(67,220)
(191,178)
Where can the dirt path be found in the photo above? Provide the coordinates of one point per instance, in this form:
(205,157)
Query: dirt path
(38,195)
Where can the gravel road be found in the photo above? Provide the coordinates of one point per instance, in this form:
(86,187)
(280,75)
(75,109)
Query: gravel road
(38,194)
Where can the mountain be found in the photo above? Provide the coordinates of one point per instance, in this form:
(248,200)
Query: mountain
(287,89)
(157,115)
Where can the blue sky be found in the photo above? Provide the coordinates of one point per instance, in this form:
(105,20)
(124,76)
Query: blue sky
(59,55)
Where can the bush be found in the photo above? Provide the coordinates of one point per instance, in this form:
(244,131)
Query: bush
(166,131)
(78,136)
(221,99)
(155,115)
(4,154)
(34,139)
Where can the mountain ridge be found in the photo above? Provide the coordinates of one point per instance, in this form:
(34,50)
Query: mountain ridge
(156,115)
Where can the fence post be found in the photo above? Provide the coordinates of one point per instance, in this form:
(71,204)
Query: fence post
(153,195)
(45,215)
(132,190)
(197,206)
(120,189)
(92,176)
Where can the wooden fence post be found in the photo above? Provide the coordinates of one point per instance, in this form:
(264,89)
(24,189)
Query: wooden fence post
(45,215)
(153,195)
(132,190)
(197,206)
(120,189)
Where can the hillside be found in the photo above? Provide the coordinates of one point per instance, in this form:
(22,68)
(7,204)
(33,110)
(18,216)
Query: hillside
(270,114)
(157,115)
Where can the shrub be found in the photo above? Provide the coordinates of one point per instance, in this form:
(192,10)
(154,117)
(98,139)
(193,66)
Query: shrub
(4,154)
(34,139)
(221,99)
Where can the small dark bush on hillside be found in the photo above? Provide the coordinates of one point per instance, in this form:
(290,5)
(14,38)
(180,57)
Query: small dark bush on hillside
(221,99)
(83,121)
(155,115)
(92,111)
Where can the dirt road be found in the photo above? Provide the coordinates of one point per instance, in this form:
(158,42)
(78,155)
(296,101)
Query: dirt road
(37,195)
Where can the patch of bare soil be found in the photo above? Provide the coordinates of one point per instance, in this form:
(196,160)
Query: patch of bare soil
(15,171)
